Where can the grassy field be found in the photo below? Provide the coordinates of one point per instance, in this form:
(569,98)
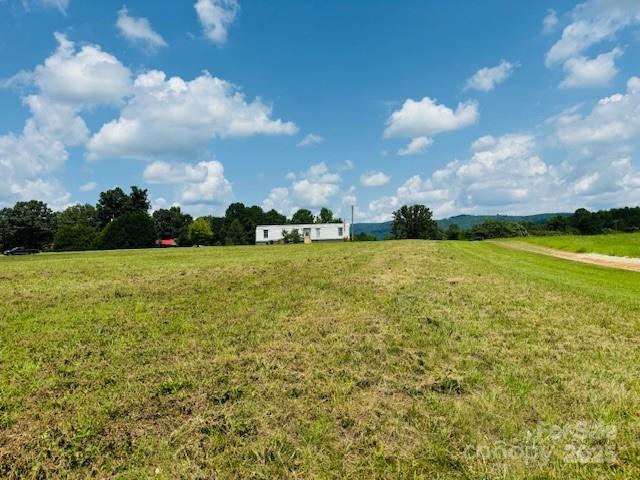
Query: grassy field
(410,359)
(619,244)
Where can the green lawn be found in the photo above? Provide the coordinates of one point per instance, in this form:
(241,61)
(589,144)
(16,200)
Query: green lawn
(410,359)
(619,244)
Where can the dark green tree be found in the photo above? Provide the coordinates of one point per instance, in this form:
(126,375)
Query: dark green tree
(111,204)
(236,234)
(169,222)
(326,216)
(75,237)
(586,222)
(234,211)
(114,203)
(453,232)
(131,230)
(7,229)
(217,225)
(414,222)
(248,217)
(255,215)
(273,217)
(182,239)
(33,224)
(138,200)
(302,216)
(495,229)
(239,213)
(80,214)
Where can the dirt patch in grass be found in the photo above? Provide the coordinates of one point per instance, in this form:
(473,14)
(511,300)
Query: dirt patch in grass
(609,261)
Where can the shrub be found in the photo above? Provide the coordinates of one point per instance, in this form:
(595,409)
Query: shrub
(364,237)
(131,230)
(291,237)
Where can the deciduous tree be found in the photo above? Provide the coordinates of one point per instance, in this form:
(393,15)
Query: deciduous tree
(200,232)
(302,216)
(75,237)
(32,224)
(236,234)
(414,222)
(169,222)
(326,216)
(131,230)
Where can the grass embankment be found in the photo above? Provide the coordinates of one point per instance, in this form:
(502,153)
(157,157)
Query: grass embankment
(388,359)
(616,244)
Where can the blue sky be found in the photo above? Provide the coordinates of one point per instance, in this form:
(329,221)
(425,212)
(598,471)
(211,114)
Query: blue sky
(468,107)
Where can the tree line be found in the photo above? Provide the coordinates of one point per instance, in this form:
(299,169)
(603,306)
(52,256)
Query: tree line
(122,220)
(417,222)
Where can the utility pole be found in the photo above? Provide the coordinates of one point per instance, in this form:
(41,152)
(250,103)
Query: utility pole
(351,226)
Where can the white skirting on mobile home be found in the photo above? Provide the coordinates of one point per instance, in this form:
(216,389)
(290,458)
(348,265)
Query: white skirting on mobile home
(314,231)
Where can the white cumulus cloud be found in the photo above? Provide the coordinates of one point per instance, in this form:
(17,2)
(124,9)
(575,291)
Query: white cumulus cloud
(69,81)
(138,30)
(84,77)
(314,194)
(349,197)
(171,117)
(592,22)
(415,146)
(89,186)
(504,173)
(314,187)
(374,179)
(311,140)
(200,183)
(614,120)
(427,117)
(550,22)
(487,78)
(216,16)
(279,200)
(594,72)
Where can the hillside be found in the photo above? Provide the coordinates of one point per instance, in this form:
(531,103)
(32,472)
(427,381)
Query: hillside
(468,221)
(382,230)
(379,230)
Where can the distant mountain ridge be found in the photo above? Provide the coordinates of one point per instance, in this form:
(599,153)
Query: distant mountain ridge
(465,222)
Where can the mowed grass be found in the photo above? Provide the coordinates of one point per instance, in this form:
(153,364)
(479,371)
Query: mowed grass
(409,359)
(617,244)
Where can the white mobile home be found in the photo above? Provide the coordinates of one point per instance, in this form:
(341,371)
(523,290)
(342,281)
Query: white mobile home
(314,231)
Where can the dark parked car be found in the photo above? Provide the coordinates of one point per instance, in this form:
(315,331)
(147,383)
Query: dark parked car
(21,251)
